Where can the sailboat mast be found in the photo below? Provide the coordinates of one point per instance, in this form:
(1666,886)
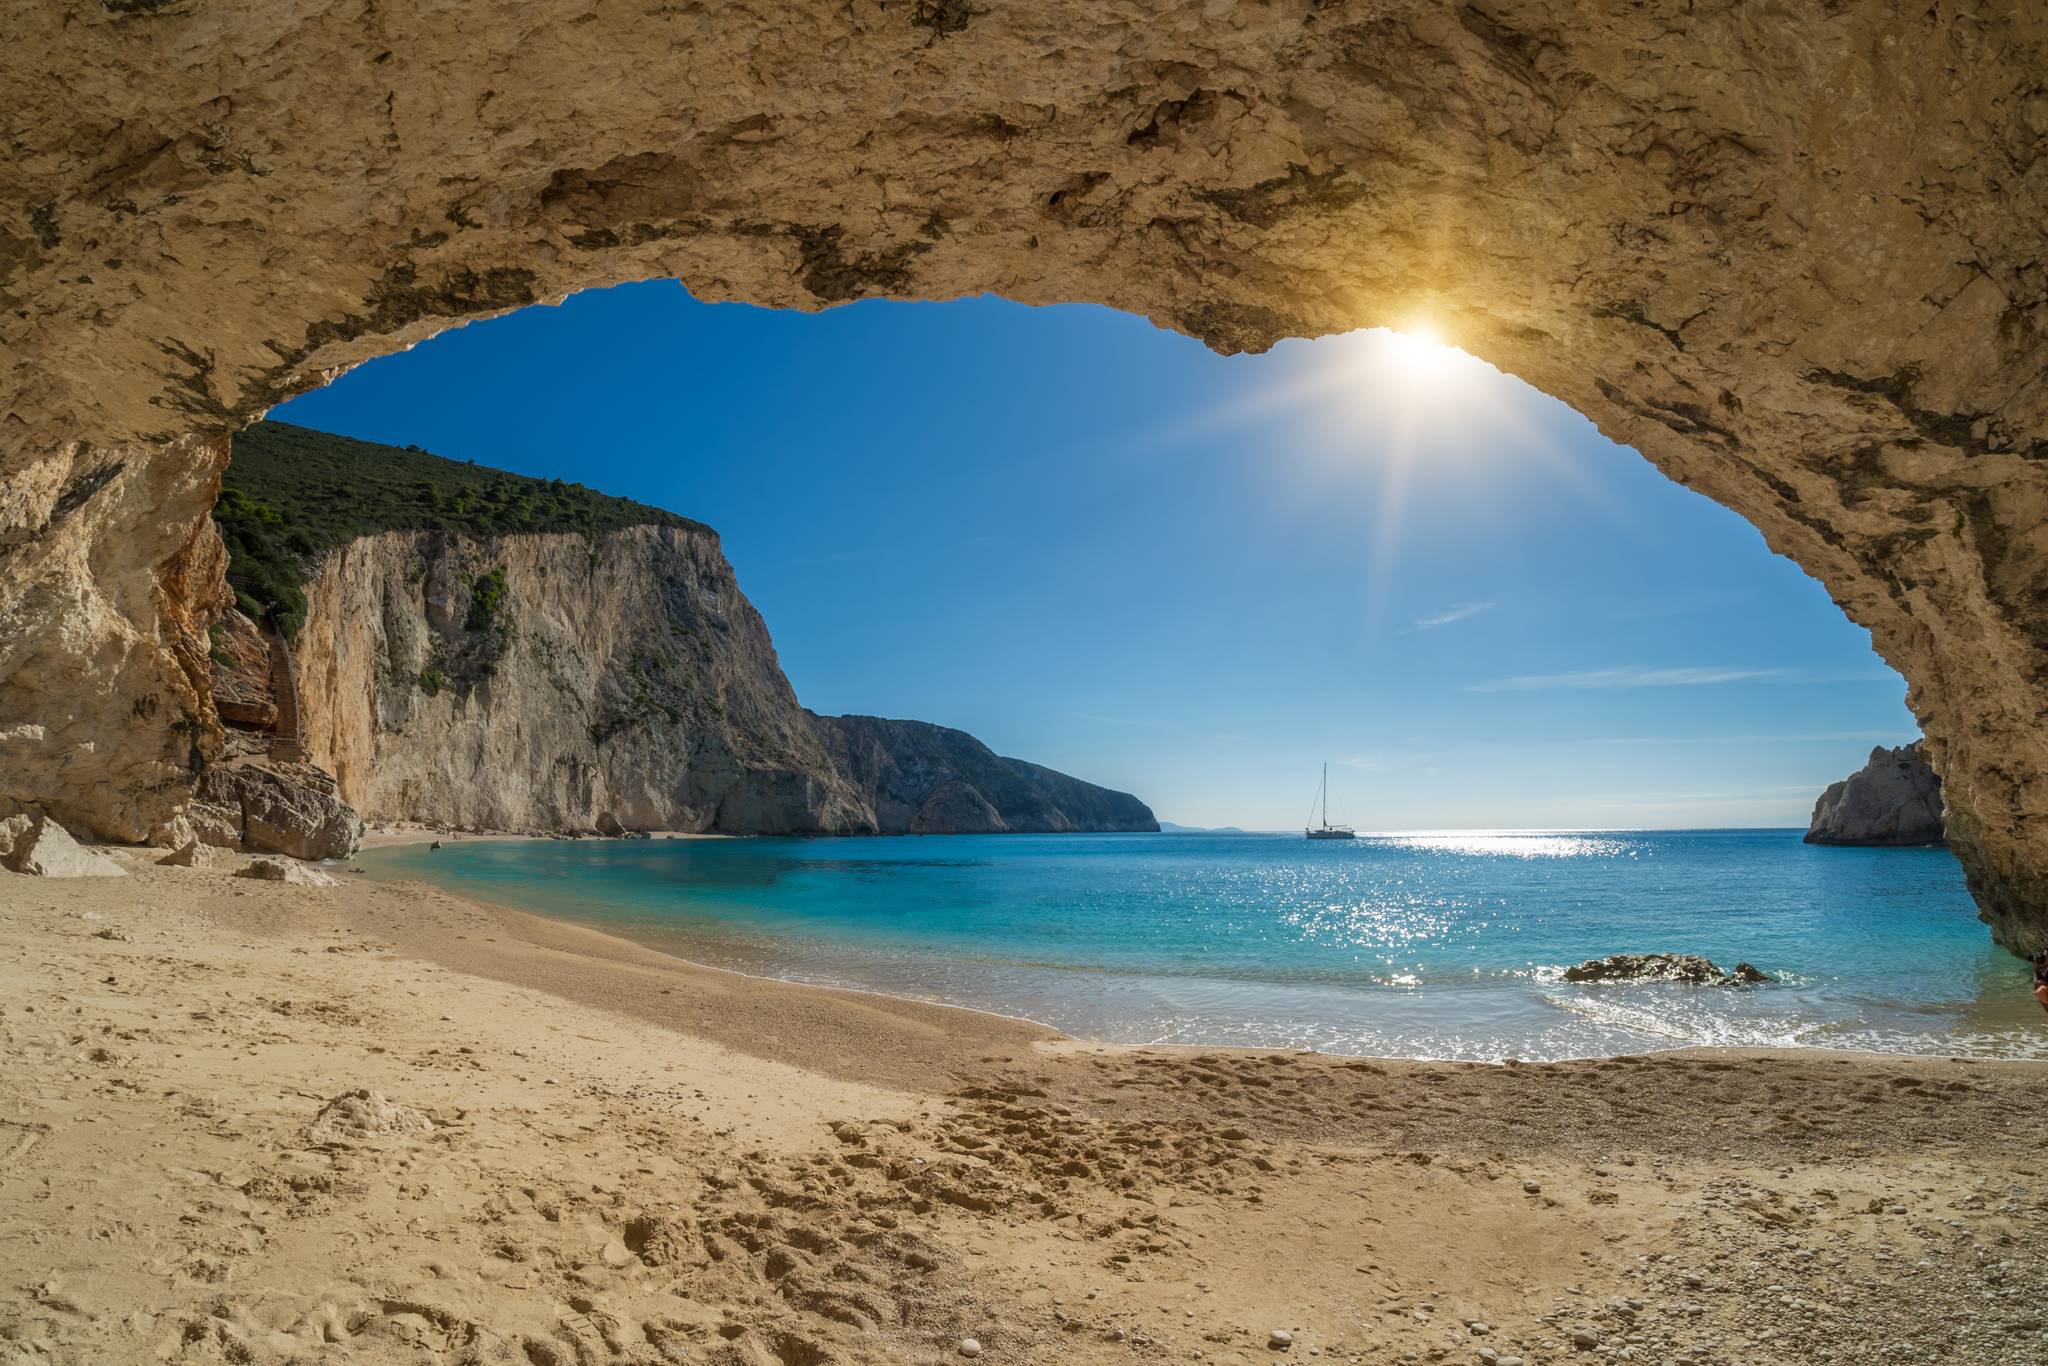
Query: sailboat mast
(1326,796)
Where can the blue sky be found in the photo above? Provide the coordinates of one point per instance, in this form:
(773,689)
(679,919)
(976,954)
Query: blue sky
(1096,545)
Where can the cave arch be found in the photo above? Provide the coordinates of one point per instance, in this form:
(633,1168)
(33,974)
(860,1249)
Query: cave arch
(1793,255)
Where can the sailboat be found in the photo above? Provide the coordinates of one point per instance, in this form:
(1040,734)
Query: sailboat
(1324,830)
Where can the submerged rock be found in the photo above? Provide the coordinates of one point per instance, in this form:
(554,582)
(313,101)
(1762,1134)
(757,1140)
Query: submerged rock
(1664,967)
(1894,799)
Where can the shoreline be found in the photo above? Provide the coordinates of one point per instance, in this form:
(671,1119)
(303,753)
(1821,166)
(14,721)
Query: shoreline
(399,836)
(1064,1040)
(670,949)
(579,1149)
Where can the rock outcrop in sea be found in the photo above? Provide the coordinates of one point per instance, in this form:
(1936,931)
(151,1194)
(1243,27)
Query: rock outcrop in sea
(602,679)
(1688,968)
(1894,799)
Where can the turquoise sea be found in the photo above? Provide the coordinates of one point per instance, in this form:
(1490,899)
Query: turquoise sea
(1421,945)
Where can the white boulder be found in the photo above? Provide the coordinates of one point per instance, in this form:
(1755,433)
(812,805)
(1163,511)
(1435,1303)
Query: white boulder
(39,846)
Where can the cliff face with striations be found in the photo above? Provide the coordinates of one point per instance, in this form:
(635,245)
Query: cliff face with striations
(564,683)
(1895,799)
(546,682)
(110,573)
(1792,253)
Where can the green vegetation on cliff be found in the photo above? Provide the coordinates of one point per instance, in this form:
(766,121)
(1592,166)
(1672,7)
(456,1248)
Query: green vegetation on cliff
(292,494)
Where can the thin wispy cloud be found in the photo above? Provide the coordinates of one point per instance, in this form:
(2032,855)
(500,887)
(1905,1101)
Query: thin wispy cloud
(1460,612)
(1628,677)
(1692,676)
(1689,677)
(1896,737)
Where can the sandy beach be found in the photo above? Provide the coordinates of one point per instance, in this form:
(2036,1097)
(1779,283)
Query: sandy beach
(576,1150)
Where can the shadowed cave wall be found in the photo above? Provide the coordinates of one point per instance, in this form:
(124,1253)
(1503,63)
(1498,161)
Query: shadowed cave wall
(1792,253)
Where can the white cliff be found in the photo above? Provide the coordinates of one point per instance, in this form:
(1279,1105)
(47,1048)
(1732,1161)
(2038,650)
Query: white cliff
(558,682)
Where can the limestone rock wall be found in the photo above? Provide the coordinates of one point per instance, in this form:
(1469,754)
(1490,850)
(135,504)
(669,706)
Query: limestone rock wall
(1894,799)
(621,682)
(625,679)
(1792,253)
(110,573)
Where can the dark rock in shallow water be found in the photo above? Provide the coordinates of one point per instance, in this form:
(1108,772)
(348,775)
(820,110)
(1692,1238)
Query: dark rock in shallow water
(1895,799)
(1663,967)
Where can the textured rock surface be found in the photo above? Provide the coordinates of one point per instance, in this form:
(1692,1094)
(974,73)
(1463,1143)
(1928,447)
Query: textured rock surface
(1792,253)
(624,684)
(240,673)
(193,853)
(285,870)
(1688,968)
(285,809)
(627,681)
(208,822)
(110,572)
(923,779)
(1893,799)
(45,849)
(13,830)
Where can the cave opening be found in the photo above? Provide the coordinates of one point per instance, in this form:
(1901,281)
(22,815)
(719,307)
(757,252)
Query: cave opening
(1065,535)
(1730,265)
(1190,573)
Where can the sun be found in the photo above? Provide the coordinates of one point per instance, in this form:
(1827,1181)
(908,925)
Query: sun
(1418,352)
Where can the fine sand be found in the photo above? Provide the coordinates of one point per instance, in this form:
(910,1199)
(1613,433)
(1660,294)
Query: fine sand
(575,1150)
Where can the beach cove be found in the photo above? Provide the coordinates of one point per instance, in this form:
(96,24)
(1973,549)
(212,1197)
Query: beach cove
(584,1150)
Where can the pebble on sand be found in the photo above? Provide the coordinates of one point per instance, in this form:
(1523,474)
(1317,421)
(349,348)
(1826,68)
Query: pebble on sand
(1280,1339)
(970,1347)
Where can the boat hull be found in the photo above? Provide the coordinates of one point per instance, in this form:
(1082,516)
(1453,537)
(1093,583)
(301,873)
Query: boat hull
(1330,834)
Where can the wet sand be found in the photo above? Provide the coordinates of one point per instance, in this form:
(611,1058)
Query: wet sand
(586,1151)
